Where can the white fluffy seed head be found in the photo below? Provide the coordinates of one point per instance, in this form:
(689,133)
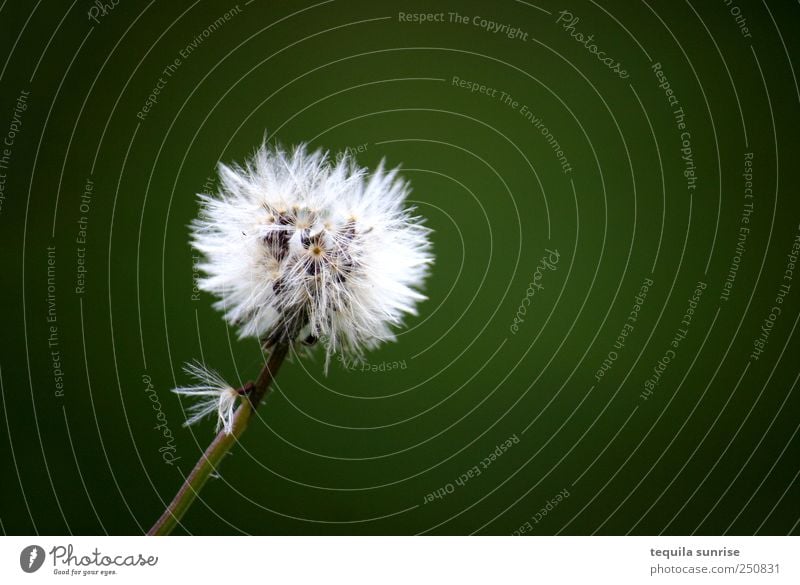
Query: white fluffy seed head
(298,247)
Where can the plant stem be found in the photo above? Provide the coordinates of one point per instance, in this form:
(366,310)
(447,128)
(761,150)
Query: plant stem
(223,442)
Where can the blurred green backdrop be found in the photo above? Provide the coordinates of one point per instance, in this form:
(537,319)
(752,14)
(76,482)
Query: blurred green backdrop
(521,143)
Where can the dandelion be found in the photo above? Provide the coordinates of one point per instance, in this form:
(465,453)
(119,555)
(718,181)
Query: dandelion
(299,250)
(298,247)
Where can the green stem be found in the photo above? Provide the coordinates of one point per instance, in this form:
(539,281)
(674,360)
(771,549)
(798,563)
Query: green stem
(223,442)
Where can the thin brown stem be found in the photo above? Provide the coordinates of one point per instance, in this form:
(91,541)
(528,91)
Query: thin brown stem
(221,444)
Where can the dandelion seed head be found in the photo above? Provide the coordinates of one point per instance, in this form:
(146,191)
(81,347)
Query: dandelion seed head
(297,246)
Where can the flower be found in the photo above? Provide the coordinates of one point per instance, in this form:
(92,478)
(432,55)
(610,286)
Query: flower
(299,247)
(215,393)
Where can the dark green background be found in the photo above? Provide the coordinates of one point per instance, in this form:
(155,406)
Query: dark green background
(715,448)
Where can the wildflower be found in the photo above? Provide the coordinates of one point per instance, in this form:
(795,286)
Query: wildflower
(299,247)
